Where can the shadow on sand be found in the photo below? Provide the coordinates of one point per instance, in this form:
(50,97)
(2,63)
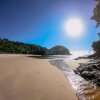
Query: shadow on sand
(39,57)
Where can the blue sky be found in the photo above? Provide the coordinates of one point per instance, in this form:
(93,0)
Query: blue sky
(40,22)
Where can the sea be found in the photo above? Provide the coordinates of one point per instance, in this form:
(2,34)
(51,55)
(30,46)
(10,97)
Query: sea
(84,89)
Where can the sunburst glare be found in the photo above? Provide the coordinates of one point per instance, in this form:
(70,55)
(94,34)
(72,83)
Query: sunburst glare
(74,27)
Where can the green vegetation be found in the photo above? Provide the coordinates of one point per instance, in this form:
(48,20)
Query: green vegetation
(96,17)
(96,47)
(96,13)
(99,35)
(59,50)
(7,46)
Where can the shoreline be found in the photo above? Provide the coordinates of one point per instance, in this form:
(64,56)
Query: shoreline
(28,78)
(83,88)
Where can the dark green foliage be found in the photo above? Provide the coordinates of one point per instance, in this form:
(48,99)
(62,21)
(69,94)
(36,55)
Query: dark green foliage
(59,50)
(96,13)
(7,46)
(96,17)
(96,47)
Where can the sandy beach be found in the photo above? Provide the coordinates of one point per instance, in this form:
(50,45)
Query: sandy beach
(28,78)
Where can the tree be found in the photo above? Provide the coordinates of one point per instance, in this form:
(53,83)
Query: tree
(99,35)
(96,13)
(96,17)
(96,47)
(7,46)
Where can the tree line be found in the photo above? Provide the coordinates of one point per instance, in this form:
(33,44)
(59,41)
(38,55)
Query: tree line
(7,46)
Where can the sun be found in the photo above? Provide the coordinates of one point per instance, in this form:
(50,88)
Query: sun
(74,27)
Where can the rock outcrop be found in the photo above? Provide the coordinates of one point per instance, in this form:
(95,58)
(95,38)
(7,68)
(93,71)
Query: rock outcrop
(90,72)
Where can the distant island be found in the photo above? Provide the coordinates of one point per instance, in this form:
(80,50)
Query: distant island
(7,46)
(59,50)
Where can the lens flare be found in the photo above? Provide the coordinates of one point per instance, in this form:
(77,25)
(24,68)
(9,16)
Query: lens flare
(74,27)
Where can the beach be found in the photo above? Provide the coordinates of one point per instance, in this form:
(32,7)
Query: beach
(27,78)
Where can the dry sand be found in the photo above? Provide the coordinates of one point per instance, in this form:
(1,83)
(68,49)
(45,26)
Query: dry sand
(26,78)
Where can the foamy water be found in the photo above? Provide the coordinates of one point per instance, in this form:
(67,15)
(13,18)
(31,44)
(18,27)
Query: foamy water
(84,89)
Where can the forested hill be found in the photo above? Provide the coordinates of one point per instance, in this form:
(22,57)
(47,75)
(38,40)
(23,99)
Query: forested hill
(7,46)
(59,50)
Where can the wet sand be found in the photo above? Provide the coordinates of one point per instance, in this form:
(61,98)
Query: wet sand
(27,78)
